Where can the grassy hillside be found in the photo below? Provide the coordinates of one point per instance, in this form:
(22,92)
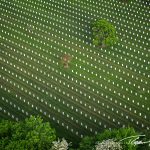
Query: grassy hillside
(101,88)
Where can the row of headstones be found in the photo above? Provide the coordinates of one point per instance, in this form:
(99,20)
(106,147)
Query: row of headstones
(139,87)
(130,61)
(24,55)
(30,93)
(39,109)
(43,90)
(28,26)
(8,113)
(121,8)
(15,106)
(137,30)
(58,120)
(3,109)
(132,27)
(129,82)
(48,17)
(45,113)
(142,66)
(96,7)
(59,89)
(103,114)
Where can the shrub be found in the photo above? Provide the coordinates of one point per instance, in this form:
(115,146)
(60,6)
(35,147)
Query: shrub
(87,143)
(60,145)
(108,145)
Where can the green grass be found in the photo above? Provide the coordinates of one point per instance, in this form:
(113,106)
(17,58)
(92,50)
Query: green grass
(102,88)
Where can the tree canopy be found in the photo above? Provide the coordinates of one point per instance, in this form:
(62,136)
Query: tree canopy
(34,134)
(29,134)
(104,33)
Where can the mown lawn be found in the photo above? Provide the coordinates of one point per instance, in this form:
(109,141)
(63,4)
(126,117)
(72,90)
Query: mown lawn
(102,88)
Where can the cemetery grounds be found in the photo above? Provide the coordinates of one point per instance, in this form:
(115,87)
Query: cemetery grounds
(102,88)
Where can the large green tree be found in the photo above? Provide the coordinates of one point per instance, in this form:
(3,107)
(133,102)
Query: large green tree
(32,134)
(104,33)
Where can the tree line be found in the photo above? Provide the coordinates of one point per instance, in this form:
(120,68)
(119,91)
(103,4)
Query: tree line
(35,134)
